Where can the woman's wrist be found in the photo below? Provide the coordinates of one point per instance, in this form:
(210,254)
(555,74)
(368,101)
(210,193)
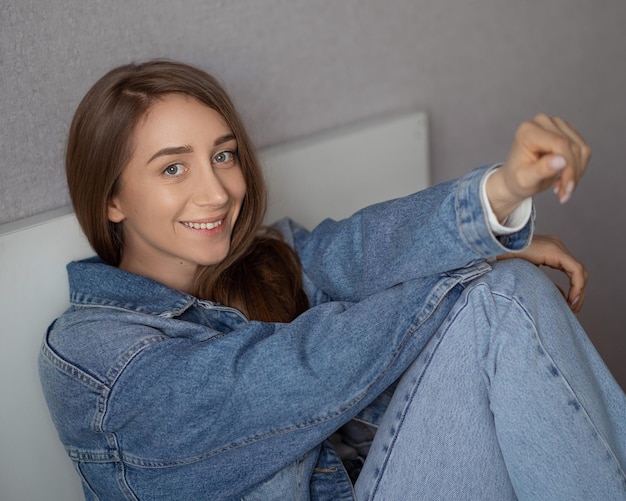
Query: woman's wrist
(500,198)
(514,221)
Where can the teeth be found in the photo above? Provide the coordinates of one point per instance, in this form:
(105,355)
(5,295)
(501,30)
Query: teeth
(203,226)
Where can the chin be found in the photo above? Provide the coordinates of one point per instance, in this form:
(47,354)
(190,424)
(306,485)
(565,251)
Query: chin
(213,260)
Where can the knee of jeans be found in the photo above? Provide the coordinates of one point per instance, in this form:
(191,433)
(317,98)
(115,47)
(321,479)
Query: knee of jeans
(523,280)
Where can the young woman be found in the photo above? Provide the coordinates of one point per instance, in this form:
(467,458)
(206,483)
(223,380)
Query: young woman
(204,357)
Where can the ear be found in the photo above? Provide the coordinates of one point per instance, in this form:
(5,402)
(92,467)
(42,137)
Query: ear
(114,211)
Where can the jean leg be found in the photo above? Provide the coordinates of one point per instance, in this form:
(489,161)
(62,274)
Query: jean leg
(508,400)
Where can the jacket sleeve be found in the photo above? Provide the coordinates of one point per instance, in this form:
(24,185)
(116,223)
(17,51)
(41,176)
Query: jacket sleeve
(442,228)
(243,405)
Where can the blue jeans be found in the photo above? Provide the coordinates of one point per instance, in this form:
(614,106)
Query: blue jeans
(509,400)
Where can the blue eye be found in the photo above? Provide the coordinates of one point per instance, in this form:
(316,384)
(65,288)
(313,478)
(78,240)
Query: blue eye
(174,170)
(224,157)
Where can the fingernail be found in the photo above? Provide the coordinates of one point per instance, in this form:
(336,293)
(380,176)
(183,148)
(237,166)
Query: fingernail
(569,189)
(558,163)
(575,300)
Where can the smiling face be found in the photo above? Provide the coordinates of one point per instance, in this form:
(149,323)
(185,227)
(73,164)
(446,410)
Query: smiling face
(180,194)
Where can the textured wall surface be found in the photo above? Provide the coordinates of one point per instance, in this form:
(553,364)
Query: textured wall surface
(478,67)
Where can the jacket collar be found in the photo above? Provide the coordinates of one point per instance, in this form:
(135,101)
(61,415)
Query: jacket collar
(95,283)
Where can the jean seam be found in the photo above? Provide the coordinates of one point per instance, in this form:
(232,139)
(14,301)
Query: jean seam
(444,329)
(567,386)
(409,399)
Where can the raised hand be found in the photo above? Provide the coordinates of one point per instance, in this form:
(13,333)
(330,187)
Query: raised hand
(546,151)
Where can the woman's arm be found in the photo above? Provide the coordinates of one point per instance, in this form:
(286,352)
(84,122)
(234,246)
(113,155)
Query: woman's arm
(446,226)
(442,228)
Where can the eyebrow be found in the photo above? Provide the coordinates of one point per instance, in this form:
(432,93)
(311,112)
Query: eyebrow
(179,150)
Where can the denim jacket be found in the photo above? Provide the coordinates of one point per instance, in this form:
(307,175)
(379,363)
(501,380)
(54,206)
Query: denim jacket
(159,395)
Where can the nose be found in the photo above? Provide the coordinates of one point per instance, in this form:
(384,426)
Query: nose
(209,190)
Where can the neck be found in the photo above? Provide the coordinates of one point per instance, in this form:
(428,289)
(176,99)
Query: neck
(175,275)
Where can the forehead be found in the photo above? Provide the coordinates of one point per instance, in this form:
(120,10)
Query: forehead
(178,117)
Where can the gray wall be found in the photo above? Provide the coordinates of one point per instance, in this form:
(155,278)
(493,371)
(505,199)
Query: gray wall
(478,67)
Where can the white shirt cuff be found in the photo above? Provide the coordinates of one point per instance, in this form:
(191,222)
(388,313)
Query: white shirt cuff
(516,220)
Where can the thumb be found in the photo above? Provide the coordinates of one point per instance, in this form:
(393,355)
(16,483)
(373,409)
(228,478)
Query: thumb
(554,169)
(554,164)
(540,172)
(548,168)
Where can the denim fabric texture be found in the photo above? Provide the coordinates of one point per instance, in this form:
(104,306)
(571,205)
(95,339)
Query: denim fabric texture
(158,395)
(508,400)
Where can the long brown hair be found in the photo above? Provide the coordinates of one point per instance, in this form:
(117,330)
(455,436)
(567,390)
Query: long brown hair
(261,274)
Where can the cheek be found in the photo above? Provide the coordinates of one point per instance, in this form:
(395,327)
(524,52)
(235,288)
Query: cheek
(151,206)
(237,187)
(242,192)
(238,195)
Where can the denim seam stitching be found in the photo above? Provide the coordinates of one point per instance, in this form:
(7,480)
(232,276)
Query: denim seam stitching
(562,378)
(71,370)
(411,396)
